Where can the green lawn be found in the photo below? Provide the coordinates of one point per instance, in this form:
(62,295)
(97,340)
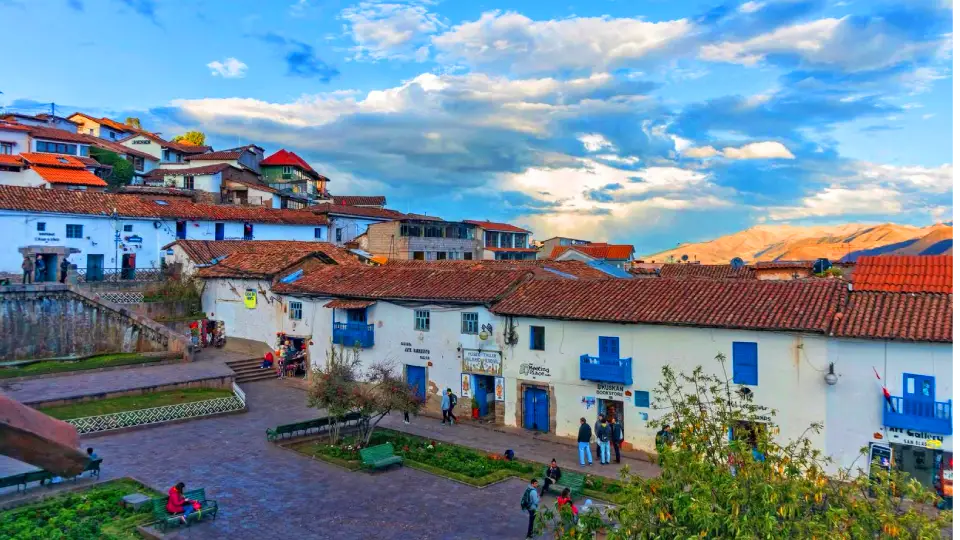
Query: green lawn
(133,403)
(92,513)
(64,366)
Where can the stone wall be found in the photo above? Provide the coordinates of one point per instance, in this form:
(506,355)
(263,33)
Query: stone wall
(53,320)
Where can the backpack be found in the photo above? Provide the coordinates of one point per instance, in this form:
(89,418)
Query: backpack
(453,400)
(525,500)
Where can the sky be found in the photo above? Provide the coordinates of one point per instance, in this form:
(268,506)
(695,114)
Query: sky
(649,122)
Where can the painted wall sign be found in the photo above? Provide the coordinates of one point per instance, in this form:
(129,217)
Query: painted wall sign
(50,238)
(482,362)
(610,391)
(141,141)
(534,370)
(250,298)
(923,439)
(588,402)
(133,239)
(422,354)
(499,388)
(464,385)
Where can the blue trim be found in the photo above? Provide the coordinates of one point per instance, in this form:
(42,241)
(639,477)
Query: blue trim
(745,369)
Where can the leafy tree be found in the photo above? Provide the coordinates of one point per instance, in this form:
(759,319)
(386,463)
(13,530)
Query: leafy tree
(122,171)
(332,385)
(195,138)
(753,486)
(133,121)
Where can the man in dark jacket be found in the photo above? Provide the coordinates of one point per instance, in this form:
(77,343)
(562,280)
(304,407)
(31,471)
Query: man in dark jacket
(596,432)
(603,438)
(64,268)
(616,436)
(583,441)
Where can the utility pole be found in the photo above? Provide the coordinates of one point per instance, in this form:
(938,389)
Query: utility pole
(53,109)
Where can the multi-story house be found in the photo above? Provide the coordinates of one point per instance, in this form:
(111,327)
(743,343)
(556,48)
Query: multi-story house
(51,171)
(349,222)
(548,245)
(289,173)
(503,242)
(41,120)
(243,157)
(424,238)
(103,128)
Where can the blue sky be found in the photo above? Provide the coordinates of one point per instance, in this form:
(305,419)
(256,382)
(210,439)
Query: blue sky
(651,122)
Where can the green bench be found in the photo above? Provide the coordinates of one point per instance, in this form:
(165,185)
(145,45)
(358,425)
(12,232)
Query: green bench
(305,427)
(165,519)
(380,456)
(568,479)
(42,476)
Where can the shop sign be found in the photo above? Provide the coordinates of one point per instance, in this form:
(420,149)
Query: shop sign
(46,237)
(482,362)
(923,439)
(140,141)
(534,370)
(422,354)
(610,391)
(133,239)
(250,298)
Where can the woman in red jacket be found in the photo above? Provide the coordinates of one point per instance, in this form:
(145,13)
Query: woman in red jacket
(177,503)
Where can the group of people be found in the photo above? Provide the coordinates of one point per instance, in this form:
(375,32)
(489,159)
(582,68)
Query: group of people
(530,502)
(35,269)
(447,405)
(607,433)
(288,359)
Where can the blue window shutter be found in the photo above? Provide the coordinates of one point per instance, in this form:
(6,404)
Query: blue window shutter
(641,399)
(531,338)
(609,347)
(745,363)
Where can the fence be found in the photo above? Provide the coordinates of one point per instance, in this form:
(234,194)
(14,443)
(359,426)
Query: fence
(91,275)
(159,415)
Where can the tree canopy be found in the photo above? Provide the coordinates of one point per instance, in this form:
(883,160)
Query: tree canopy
(195,138)
(122,171)
(133,121)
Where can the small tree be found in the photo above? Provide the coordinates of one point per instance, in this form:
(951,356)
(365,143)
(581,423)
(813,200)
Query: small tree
(133,121)
(752,486)
(333,384)
(195,138)
(382,393)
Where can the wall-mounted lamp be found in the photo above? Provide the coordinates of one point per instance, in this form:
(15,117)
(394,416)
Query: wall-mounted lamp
(830,378)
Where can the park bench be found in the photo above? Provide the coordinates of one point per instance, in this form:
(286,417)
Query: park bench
(12,480)
(21,480)
(568,479)
(164,519)
(379,456)
(305,427)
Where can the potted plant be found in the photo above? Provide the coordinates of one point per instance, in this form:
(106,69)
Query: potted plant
(475,408)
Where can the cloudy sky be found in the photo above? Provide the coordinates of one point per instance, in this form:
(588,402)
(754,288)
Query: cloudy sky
(652,122)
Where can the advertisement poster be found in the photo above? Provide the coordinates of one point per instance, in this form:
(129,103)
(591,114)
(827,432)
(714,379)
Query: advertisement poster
(482,362)
(498,388)
(588,402)
(464,385)
(250,298)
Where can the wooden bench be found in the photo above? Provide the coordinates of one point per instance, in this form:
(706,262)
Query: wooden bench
(380,456)
(164,519)
(568,479)
(305,427)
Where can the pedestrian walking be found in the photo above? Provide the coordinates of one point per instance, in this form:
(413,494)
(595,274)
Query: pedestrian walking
(552,477)
(64,268)
(616,436)
(28,268)
(529,503)
(583,441)
(603,437)
(453,406)
(596,432)
(41,270)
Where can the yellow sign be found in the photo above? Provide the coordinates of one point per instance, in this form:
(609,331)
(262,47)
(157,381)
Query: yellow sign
(933,444)
(250,298)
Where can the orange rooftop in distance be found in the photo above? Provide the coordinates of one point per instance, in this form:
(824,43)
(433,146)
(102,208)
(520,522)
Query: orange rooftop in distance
(904,273)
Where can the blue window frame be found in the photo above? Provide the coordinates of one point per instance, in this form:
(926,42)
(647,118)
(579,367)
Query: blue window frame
(641,398)
(74,231)
(41,226)
(538,338)
(296,311)
(919,387)
(318,233)
(421,320)
(609,347)
(128,228)
(745,363)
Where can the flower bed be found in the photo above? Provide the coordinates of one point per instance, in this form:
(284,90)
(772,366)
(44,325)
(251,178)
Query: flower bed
(93,513)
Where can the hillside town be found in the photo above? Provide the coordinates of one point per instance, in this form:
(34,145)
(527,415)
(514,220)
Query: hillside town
(530,335)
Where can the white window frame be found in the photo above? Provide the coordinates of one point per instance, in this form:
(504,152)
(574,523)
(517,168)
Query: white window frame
(421,320)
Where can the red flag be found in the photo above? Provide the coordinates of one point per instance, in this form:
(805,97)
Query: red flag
(886,393)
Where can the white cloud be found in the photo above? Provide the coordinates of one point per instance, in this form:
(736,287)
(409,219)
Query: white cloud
(928,116)
(394,30)
(299,8)
(594,142)
(839,201)
(757,150)
(925,179)
(586,43)
(751,7)
(231,68)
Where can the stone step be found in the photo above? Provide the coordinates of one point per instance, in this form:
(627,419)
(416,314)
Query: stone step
(244,362)
(256,376)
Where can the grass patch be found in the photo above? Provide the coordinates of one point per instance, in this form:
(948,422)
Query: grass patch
(134,403)
(324,452)
(94,512)
(65,366)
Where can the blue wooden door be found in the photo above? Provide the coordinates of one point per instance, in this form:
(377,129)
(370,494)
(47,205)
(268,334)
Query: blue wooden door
(536,409)
(609,347)
(481,395)
(357,316)
(919,395)
(417,378)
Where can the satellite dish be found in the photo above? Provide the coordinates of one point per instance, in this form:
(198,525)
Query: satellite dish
(737,262)
(684,258)
(821,265)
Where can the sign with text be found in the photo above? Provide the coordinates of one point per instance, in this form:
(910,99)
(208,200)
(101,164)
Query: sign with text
(911,437)
(250,298)
(422,354)
(141,141)
(533,370)
(482,362)
(610,391)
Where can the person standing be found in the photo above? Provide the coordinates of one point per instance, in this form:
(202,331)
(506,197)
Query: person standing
(41,270)
(453,406)
(64,268)
(529,503)
(616,436)
(603,437)
(28,268)
(583,441)
(552,476)
(445,406)
(664,439)
(596,432)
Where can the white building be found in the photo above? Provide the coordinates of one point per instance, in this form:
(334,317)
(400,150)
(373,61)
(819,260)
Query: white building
(349,222)
(503,242)
(110,232)
(103,128)
(49,171)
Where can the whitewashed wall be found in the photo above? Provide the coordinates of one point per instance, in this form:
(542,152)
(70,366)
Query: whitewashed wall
(352,227)
(223,299)
(24,178)
(20,140)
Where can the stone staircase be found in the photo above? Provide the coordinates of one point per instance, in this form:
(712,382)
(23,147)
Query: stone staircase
(248,370)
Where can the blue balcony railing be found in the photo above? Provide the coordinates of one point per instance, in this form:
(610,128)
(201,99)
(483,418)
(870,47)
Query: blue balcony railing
(611,370)
(353,334)
(919,415)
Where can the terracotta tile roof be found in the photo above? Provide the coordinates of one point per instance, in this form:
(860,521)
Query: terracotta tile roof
(55,134)
(768,265)
(349,304)
(252,184)
(190,171)
(53,160)
(117,126)
(904,273)
(12,126)
(603,251)
(118,148)
(253,264)
(73,202)
(10,159)
(392,283)
(540,268)
(358,200)
(61,175)
(706,271)
(897,316)
(359,211)
(156,190)
(758,305)
(217,155)
(511,250)
(205,251)
(492,226)
(284,157)
(89,162)
(191,149)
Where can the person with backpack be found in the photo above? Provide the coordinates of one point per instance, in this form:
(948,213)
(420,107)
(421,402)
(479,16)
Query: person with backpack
(529,503)
(445,406)
(603,438)
(616,436)
(453,405)
(583,441)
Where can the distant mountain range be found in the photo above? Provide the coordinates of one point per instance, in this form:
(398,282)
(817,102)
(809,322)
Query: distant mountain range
(837,243)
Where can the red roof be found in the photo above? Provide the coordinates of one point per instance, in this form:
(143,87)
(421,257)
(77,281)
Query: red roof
(900,316)
(60,175)
(492,226)
(392,283)
(603,251)
(359,211)
(217,155)
(785,265)
(53,160)
(904,273)
(13,126)
(357,200)
(286,158)
(89,162)
(253,264)
(349,304)
(10,159)
(55,134)
(192,171)
(540,268)
(758,305)
(705,271)
(102,204)
(205,251)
